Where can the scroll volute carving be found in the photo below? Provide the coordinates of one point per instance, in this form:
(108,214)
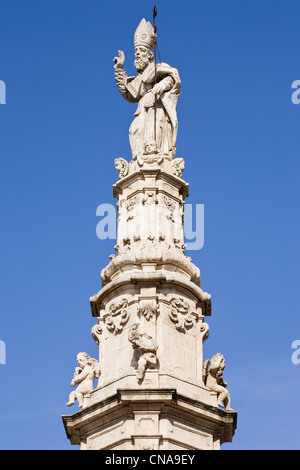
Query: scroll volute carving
(118,316)
(204,331)
(96,332)
(180,314)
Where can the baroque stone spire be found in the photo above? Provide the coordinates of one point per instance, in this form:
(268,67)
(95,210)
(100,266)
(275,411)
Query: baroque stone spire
(154,390)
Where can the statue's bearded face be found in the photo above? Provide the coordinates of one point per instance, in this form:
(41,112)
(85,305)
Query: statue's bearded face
(143,56)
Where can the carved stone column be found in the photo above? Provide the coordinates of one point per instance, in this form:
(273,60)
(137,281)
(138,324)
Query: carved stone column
(150,325)
(151,283)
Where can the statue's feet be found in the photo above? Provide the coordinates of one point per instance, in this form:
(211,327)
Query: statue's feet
(228,408)
(70,403)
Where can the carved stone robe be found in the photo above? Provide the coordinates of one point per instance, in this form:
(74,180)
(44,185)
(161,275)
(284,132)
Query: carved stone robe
(154,129)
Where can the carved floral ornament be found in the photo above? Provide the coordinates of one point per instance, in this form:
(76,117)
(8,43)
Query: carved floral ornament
(147,308)
(204,330)
(180,314)
(117,317)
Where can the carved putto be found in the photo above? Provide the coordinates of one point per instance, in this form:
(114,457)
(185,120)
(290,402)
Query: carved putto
(212,375)
(156,89)
(178,165)
(147,347)
(88,369)
(122,167)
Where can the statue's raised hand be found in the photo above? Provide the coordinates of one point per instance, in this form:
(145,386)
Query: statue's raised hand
(119,61)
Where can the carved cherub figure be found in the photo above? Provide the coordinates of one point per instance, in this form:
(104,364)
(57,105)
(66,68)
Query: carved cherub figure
(212,374)
(178,165)
(147,347)
(121,165)
(88,369)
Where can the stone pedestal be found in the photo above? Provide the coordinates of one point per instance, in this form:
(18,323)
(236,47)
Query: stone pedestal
(150,289)
(154,390)
(149,419)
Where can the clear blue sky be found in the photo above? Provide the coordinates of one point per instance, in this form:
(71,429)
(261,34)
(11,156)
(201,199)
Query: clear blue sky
(63,125)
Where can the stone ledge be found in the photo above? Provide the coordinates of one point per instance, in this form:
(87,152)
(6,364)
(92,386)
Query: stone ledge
(157,173)
(150,277)
(195,415)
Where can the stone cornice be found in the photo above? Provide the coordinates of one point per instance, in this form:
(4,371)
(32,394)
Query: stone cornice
(157,174)
(96,301)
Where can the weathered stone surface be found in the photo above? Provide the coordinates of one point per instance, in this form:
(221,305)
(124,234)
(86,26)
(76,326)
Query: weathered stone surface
(156,89)
(155,391)
(150,419)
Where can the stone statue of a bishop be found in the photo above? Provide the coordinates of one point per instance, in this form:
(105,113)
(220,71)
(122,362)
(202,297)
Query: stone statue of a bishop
(156,89)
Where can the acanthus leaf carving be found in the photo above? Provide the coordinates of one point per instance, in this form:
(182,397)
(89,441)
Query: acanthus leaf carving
(148,308)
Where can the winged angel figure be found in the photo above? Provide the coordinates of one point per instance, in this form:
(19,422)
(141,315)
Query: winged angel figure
(212,374)
(88,369)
